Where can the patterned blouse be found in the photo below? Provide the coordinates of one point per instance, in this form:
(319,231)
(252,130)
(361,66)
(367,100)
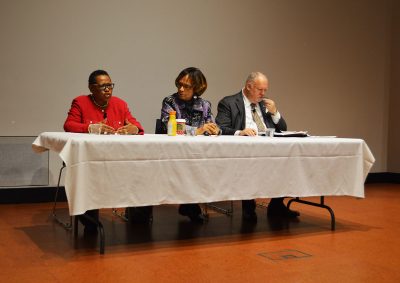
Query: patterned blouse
(196,112)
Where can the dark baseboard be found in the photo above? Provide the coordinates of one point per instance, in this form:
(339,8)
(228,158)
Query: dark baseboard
(47,194)
(31,195)
(384,177)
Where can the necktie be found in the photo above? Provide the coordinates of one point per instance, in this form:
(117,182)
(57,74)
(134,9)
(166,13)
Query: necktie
(257,119)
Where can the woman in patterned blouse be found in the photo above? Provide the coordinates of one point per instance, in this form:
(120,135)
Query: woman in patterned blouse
(188,104)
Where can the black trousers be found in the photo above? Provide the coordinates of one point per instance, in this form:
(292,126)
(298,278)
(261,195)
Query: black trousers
(90,214)
(250,205)
(189,209)
(140,214)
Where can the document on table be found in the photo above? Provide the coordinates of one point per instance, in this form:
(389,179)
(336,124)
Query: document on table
(291,134)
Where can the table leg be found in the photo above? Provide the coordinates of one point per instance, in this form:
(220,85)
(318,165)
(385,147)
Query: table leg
(321,204)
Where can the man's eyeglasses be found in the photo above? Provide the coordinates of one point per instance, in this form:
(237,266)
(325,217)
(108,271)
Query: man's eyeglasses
(185,86)
(262,89)
(104,86)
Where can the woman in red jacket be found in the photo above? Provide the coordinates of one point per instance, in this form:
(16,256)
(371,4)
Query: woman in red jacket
(104,112)
(101,108)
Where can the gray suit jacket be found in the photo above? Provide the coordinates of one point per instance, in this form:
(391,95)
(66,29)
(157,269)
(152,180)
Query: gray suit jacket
(232,116)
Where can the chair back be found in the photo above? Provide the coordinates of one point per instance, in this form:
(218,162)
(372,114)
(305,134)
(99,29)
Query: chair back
(159,127)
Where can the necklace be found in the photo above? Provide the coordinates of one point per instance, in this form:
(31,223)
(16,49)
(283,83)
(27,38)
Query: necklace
(95,103)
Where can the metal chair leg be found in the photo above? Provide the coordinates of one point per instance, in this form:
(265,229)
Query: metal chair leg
(228,211)
(66,225)
(119,214)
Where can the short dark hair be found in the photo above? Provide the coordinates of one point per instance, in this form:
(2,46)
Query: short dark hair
(196,76)
(95,74)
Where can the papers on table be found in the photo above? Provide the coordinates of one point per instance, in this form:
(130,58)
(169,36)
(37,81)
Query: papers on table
(291,134)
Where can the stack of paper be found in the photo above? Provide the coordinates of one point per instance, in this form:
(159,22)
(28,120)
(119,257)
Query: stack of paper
(291,134)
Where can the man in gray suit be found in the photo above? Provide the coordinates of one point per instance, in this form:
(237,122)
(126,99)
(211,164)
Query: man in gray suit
(246,114)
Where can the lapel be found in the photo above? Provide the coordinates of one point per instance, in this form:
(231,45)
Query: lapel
(240,108)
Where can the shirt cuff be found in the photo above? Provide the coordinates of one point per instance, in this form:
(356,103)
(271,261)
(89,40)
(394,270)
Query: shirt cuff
(276,117)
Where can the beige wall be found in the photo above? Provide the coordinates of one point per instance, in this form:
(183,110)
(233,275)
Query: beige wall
(394,114)
(328,60)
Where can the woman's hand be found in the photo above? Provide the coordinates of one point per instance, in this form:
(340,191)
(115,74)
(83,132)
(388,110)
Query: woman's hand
(210,128)
(128,129)
(102,128)
(106,129)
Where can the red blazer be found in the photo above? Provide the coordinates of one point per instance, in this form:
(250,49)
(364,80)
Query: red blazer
(83,112)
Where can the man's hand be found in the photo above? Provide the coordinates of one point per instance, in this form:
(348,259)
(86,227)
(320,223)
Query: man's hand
(270,105)
(248,132)
(210,128)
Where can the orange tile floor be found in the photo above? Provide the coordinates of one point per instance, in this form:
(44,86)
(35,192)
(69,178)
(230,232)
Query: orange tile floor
(365,247)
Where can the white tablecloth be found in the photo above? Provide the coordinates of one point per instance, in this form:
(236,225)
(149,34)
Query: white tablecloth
(120,171)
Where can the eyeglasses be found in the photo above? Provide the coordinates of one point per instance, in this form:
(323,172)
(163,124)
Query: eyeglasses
(262,89)
(104,86)
(185,86)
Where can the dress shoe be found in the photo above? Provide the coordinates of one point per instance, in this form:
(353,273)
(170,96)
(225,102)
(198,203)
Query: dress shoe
(281,211)
(198,218)
(192,211)
(249,216)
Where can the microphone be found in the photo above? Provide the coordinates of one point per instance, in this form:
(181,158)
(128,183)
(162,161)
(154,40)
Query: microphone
(104,115)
